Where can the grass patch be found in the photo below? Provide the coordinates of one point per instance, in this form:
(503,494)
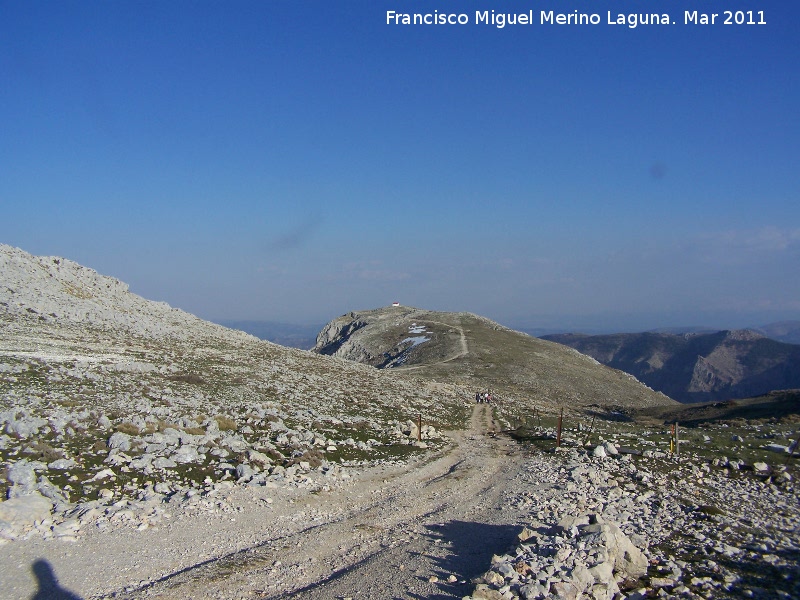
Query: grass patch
(128,428)
(225,423)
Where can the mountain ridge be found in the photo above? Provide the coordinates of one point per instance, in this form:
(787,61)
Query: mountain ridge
(477,352)
(697,367)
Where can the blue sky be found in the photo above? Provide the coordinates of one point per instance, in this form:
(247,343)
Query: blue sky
(295,160)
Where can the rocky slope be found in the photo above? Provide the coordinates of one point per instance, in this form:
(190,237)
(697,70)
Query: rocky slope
(697,367)
(521,371)
(106,397)
(601,521)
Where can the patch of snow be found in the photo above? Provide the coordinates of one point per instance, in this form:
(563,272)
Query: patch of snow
(416,341)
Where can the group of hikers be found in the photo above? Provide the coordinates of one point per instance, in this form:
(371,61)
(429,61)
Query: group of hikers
(481,397)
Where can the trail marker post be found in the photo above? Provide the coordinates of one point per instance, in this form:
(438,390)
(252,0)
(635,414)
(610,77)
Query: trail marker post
(672,439)
(558,431)
(419,428)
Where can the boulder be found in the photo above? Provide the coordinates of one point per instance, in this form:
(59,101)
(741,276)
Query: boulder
(628,561)
(62,464)
(25,510)
(776,448)
(236,445)
(259,458)
(120,440)
(610,449)
(244,471)
(22,476)
(186,454)
(534,591)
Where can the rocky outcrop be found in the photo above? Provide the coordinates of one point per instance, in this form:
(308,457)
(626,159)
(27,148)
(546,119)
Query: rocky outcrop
(611,525)
(337,338)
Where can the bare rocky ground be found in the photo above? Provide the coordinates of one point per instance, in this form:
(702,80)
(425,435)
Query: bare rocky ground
(233,541)
(484,517)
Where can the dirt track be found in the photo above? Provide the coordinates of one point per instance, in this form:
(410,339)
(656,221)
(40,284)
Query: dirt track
(387,537)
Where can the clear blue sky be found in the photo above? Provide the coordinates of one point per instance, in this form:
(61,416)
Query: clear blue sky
(293,160)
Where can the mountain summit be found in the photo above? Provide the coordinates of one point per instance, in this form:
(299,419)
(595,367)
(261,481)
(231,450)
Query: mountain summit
(473,351)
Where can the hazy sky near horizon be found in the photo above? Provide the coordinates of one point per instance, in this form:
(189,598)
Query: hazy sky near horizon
(295,160)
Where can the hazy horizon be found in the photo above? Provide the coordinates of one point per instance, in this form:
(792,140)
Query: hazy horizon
(294,161)
(594,326)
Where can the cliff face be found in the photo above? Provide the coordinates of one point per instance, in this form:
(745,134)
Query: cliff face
(337,338)
(697,367)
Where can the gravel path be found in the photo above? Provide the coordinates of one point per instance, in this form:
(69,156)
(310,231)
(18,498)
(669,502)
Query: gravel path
(403,529)
(404,532)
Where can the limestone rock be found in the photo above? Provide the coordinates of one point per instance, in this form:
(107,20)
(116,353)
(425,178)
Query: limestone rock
(25,510)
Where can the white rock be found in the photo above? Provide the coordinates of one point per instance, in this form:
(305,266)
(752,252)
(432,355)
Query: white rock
(62,464)
(24,510)
(104,474)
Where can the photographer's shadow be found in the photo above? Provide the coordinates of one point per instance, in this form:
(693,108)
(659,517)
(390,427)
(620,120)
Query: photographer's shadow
(49,588)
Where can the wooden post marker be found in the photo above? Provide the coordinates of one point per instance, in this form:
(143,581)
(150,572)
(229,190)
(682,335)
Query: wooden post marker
(672,439)
(558,431)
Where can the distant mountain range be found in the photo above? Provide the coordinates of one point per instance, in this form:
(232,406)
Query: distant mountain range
(781,331)
(698,367)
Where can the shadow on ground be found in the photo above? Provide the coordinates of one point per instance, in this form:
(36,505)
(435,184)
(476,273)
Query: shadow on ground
(472,546)
(49,588)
